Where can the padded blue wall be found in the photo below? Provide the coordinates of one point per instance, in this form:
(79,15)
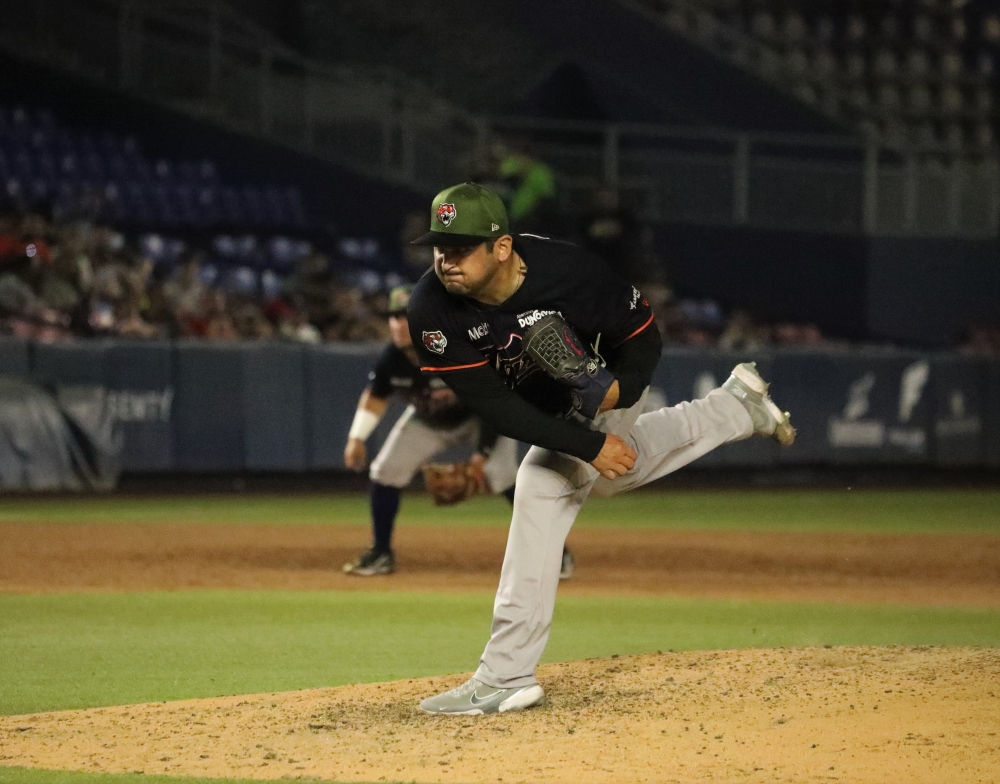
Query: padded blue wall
(190,406)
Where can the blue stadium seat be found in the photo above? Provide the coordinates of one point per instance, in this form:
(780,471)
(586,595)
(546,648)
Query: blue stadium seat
(208,205)
(39,159)
(187,208)
(23,166)
(136,207)
(163,171)
(93,167)
(232,207)
(253,206)
(276,205)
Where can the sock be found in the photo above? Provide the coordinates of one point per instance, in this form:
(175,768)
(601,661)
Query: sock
(385,505)
(508,494)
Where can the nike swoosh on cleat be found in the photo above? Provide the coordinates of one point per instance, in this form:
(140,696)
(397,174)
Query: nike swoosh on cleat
(475,701)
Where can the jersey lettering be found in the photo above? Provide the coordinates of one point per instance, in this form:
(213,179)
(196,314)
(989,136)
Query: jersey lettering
(479,332)
(531,316)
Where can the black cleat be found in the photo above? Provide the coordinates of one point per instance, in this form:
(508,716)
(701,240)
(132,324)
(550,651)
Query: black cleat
(372,562)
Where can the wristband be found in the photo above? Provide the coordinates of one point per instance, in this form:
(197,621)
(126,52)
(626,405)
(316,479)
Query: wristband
(363,425)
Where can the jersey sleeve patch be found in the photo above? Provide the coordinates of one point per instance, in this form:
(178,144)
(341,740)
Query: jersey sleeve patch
(435,341)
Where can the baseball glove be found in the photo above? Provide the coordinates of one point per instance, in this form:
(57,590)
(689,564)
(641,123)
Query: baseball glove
(450,483)
(555,347)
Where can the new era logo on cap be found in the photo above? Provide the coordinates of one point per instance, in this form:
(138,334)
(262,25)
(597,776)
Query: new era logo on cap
(494,226)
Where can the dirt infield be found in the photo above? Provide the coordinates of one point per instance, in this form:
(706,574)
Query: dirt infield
(917,569)
(865,715)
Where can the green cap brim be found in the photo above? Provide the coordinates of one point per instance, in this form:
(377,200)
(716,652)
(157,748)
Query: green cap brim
(444,239)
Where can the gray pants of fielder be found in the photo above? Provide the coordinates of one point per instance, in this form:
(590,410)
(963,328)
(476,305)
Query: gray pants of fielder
(551,488)
(412,442)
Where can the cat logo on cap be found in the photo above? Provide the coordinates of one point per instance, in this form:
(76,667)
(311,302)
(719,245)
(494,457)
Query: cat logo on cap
(446,214)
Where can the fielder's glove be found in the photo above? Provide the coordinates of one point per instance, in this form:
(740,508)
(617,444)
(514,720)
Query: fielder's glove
(555,347)
(450,483)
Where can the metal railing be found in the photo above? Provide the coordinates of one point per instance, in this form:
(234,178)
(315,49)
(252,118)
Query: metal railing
(203,59)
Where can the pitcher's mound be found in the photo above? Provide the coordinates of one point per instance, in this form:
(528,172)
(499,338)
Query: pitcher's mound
(863,715)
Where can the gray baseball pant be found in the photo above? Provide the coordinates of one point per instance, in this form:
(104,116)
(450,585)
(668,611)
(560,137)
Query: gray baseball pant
(412,442)
(551,488)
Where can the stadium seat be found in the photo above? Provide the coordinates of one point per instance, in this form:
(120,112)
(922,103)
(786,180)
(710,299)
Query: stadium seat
(40,159)
(232,207)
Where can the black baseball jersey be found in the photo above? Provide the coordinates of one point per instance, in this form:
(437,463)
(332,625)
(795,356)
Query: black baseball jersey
(457,336)
(394,372)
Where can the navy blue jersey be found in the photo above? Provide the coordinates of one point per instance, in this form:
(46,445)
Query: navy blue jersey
(453,333)
(396,373)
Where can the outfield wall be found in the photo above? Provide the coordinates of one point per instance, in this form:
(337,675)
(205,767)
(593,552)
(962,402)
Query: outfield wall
(196,406)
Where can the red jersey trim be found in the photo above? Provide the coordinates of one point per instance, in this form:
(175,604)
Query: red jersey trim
(454,367)
(648,322)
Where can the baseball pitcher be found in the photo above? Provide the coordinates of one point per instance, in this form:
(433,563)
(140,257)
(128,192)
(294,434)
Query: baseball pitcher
(550,347)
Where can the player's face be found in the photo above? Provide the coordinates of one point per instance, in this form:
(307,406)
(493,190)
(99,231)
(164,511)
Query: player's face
(465,271)
(399,331)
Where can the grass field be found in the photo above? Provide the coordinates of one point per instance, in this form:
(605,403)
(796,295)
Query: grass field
(885,511)
(81,650)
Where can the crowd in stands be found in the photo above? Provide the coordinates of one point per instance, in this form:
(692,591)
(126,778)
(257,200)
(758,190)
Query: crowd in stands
(65,281)
(61,281)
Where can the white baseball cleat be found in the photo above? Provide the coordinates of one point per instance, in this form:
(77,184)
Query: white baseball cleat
(746,385)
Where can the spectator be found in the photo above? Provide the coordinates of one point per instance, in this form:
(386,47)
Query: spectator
(184,292)
(529,188)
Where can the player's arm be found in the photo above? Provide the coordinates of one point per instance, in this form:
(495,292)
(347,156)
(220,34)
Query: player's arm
(487,440)
(371,408)
(630,342)
(369,413)
(632,363)
(506,412)
(484,392)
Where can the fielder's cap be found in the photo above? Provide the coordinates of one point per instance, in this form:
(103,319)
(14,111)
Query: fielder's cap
(465,214)
(399,298)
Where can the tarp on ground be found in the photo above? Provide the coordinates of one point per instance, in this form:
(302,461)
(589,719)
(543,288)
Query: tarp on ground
(57,440)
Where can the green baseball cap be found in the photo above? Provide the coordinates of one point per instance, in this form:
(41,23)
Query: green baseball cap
(399,298)
(465,214)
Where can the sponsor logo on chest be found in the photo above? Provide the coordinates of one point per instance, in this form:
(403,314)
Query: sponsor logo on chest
(479,332)
(530,317)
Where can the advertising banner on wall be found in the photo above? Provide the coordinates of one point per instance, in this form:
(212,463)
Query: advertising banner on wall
(69,363)
(274,395)
(140,381)
(869,407)
(993,414)
(208,407)
(959,387)
(336,376)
